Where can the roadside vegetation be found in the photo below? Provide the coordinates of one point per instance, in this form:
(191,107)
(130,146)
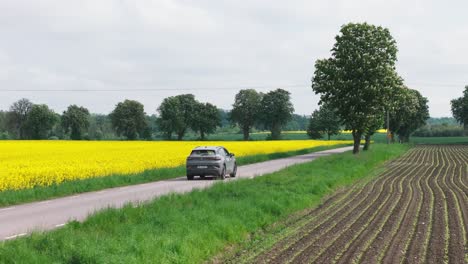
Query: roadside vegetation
(69,187)
(194,227)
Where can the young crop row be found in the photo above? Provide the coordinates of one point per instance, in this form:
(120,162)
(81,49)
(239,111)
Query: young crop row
(414,212)
(26,164)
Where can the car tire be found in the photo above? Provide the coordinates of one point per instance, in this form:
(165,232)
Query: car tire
(202,177)
(190,177)
(234,171)
(222,175)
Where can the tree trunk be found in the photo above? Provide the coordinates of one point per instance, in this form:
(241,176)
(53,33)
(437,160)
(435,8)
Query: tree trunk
(202,135)
(180,134)
(276,132)
(328,136)
(357,141)
(246,132)
(367,143)
(465,129)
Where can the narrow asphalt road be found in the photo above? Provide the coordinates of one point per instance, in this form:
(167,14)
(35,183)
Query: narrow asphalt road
(20,220)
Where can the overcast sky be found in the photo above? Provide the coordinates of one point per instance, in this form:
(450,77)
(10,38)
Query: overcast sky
(213,48)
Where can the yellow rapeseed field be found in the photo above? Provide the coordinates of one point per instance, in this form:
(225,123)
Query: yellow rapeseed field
(25,164)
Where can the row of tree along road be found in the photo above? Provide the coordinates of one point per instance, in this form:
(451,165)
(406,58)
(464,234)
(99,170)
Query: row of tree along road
(175,117)
(359,88)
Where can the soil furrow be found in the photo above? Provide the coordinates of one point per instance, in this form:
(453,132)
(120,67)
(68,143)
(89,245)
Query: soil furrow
(438,242)
(399,243)
(386,223)
(418,242)
(416,211)
(337,207)
(322,250)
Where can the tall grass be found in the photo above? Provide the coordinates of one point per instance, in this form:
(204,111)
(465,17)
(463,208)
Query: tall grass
(12,197)
(194,227)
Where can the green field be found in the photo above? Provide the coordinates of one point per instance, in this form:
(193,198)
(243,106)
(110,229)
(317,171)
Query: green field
(195,227)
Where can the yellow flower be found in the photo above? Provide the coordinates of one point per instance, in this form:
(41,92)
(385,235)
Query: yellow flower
(25,164)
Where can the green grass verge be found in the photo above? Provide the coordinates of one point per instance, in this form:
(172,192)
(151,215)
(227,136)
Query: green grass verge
(12,197)
(194,227)
(439,140)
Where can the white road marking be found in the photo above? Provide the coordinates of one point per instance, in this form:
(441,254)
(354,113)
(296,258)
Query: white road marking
(5,209)
(59,225)
(44,202)
(15,236)
(74,196)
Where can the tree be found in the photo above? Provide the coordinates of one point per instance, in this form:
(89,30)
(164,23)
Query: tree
(357,80)
(128,119)
(324,121)
(246,110)
(276,111)
(176,114)
(75,120)
(39,122)
(206,119)
(16,117)
(460,110)
(375,123)
(409,113)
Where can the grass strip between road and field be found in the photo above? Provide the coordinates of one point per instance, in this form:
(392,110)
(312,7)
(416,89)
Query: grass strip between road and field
(40,193)
(195,227)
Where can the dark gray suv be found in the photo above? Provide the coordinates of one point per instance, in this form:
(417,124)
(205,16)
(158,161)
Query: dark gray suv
(211,161)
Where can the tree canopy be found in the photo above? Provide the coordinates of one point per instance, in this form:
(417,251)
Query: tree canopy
(460,109)
(16,117)
(176,115)
(75,120)
(324,122)
(358,79)
(409,113)
(205,120)
(276,111)
(128,119)
(246,110)
(40,121)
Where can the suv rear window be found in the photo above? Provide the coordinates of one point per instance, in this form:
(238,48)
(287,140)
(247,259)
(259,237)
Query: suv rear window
(203,152)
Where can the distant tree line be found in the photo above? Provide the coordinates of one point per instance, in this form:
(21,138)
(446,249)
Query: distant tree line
(173,119)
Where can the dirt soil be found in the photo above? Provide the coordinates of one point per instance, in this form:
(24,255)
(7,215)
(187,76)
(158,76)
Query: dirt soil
(416,211)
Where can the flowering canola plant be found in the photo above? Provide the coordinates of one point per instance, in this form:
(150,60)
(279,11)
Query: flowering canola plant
(26,164)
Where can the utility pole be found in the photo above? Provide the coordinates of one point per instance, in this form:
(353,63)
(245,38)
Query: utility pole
(388,127)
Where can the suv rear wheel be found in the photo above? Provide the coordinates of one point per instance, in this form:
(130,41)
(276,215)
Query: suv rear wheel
(222,176)
(234,171)
(190,177)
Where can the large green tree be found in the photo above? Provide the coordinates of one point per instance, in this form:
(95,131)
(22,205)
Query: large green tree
(40,121)
(16,117)
(246,110)
(206,119)
(76,121)
(276,111)
(128,119)
(176,114)
(358,78)
(324,121)
(460,110)
(410,112)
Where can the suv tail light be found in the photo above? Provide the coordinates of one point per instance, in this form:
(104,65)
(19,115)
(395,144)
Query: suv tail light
(213,158)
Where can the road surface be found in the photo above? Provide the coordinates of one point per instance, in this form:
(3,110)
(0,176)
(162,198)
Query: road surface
(20,220)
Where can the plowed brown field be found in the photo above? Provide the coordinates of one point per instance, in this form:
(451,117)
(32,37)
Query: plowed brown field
(414,212)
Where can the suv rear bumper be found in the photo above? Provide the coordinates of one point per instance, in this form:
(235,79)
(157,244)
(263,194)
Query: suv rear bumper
(211,171)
